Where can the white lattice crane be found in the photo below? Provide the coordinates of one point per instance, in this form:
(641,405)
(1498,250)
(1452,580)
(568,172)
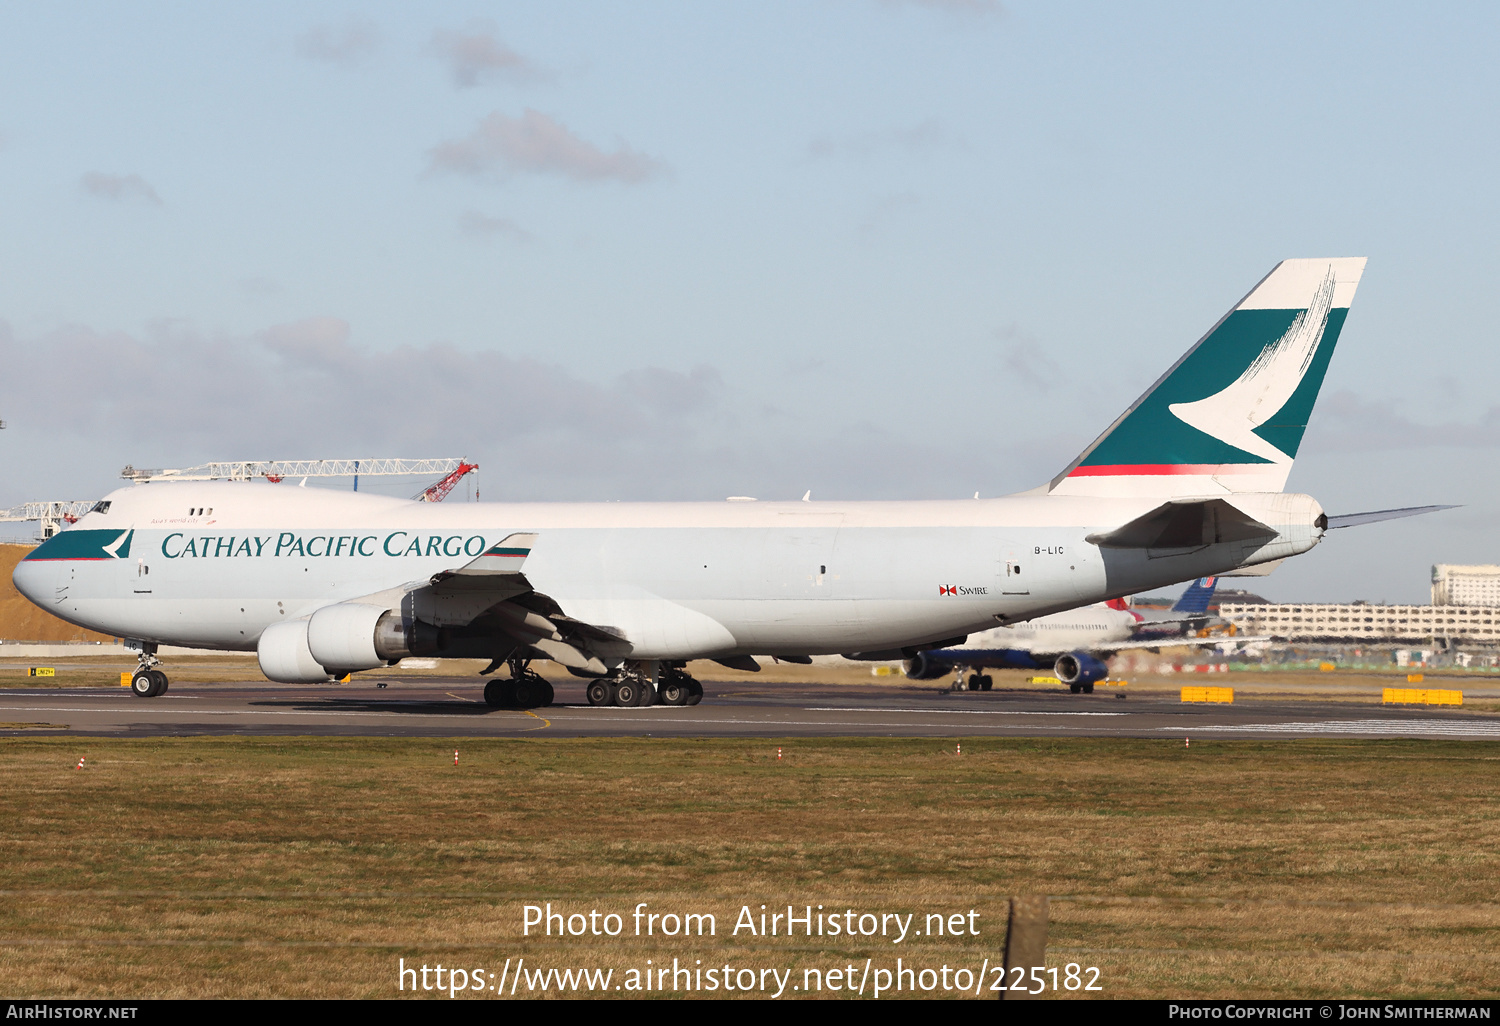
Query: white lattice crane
(53,516)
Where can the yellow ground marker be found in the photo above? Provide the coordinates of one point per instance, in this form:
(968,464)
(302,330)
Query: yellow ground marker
(1413,678)
(1420,696)
(41,671)
(1326,667)
(1043,680)
(1208,694)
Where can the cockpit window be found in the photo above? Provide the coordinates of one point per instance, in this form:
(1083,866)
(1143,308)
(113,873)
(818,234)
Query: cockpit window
(102,506)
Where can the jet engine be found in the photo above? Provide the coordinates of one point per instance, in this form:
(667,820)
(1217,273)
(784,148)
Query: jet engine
(357,636)
(285,657)
(1079,668)
(923,666)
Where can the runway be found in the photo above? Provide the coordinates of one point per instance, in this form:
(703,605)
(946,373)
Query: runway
(439,707)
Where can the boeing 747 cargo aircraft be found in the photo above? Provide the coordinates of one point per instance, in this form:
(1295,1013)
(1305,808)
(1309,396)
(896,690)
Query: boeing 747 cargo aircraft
(1187,482)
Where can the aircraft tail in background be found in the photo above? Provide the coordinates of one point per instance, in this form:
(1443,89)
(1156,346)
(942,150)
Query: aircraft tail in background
(1195,599)
(1229,416)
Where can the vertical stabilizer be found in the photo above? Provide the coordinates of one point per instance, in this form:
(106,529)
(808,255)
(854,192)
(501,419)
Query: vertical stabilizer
(1229,416)
(1197,596)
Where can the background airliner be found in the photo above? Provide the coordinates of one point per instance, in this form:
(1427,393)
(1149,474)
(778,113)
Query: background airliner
(1073,645)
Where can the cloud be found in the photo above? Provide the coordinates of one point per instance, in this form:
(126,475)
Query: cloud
(541,430)
(483,226)
(478,55)
(537,144)
(119,187)
(1024,360)
(1345,421)
(926,135)
(343,43)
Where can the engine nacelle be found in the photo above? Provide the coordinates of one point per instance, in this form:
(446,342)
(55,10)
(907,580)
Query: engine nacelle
(358,636)
(342,636)
(923,666)
(1079,668)
(284,655)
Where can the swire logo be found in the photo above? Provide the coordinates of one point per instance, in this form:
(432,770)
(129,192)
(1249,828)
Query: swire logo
(961,589)
(944,589)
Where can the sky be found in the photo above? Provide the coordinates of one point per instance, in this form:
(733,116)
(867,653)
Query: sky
(870,248)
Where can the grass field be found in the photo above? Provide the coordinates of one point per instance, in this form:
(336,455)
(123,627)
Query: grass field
(307,867)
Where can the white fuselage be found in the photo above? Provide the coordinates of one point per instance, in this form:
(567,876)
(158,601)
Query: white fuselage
(1090,627)
(677,580)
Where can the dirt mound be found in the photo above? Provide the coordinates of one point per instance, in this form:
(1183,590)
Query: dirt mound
(22,621)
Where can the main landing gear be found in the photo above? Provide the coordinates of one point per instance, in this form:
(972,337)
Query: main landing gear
(631,687)
(148,682)
(976,682)
(526,688)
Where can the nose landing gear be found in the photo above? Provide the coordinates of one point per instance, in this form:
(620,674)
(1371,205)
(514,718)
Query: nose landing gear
(148,682)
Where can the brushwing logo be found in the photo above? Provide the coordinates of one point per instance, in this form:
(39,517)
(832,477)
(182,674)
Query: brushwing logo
(1258,394)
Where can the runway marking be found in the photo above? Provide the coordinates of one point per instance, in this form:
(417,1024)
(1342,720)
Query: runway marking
(1425,728)
(545,722)
(955,712)
(461,698)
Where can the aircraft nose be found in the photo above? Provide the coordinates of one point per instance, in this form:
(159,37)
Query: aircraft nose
(35,579)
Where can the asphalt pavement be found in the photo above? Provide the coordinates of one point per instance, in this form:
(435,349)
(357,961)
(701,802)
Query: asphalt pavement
(454,707)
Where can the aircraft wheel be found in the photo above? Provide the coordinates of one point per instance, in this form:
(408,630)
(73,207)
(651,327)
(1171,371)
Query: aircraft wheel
(974,682)
(495,694)
(1075,688)
(986,682)
(547,693)
(143,685)
(695,693)
(1088,689)
(628,693)
(648,694)
(601,692)
(525,693)
(675,692)
(161,683)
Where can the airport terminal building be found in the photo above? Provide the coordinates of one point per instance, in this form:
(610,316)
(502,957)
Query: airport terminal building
(1465,608)
(1360,621)
(1465,585)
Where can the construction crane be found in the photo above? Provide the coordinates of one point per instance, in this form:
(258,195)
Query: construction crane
(53,516)
(439,491)
(276,470)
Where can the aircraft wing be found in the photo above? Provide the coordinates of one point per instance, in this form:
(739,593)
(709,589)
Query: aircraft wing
(490,598)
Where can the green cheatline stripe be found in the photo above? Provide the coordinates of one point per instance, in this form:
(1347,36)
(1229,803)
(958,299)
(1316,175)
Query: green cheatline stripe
(76,544)
(498,551)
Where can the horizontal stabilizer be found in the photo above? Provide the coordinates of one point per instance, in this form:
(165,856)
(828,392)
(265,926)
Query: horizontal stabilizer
(1357,519)
(1184,525)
